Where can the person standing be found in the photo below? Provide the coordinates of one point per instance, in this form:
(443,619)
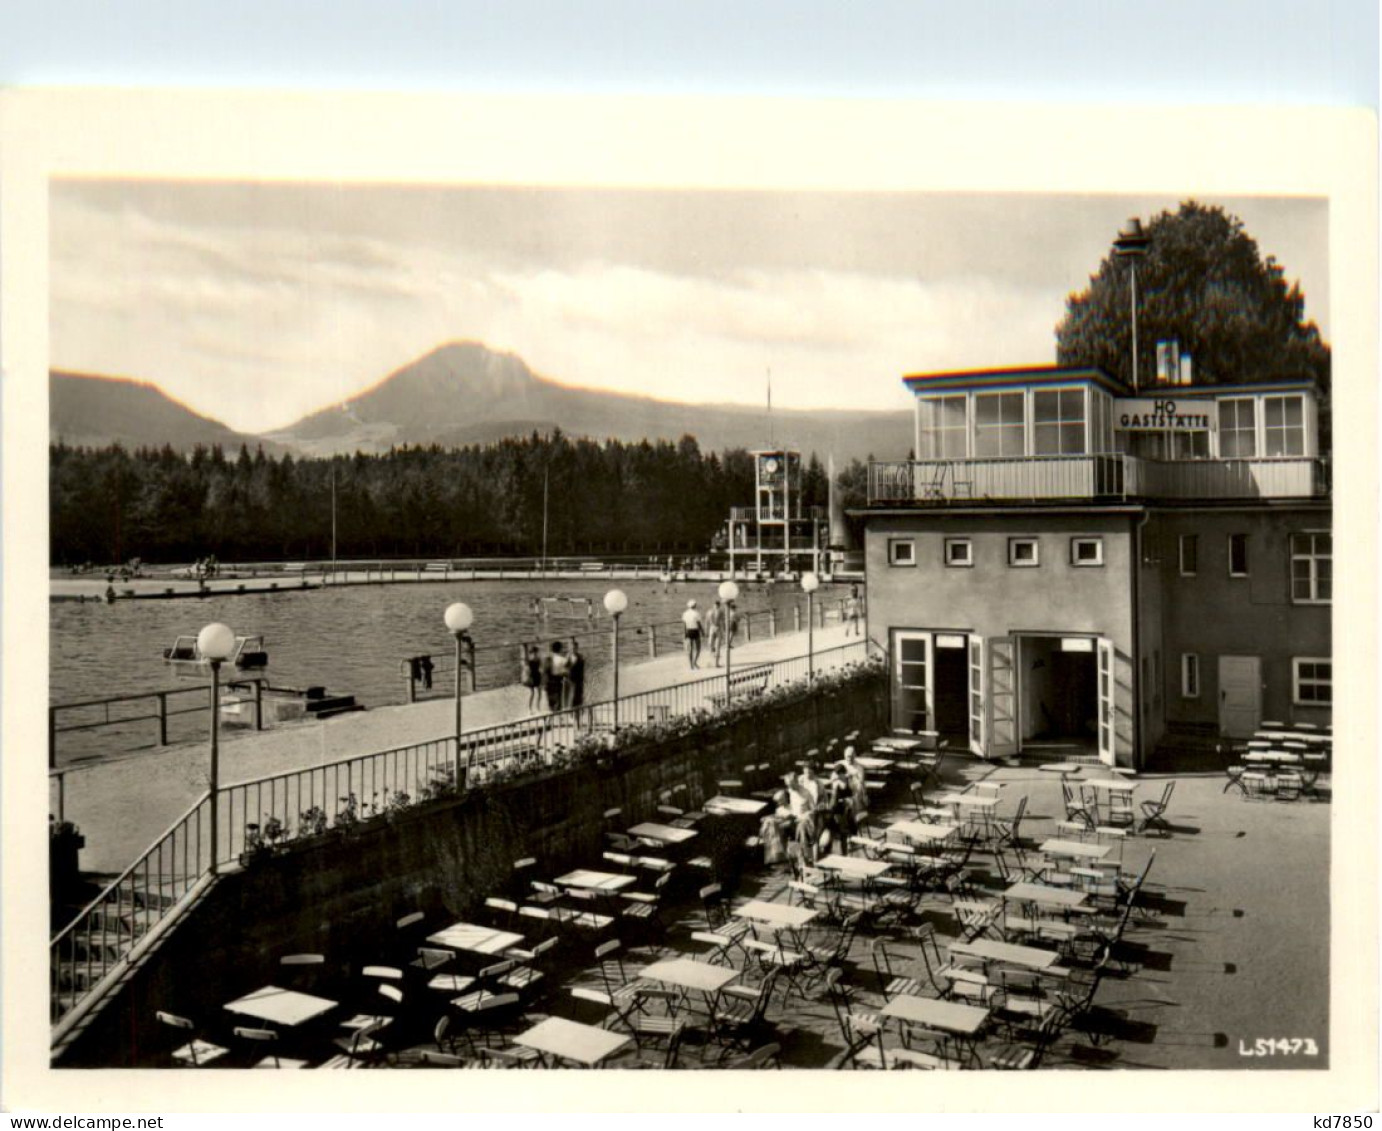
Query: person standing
(691,622)
(575,678)
(716,629)
(853,608)
(532,677)
(554,670)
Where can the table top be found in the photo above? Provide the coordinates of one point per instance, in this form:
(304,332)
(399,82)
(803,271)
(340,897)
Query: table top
(1075,848)
(1041,893)
(874,763)
(1112,786)
(1061,767)
(902,744)
(473,937)
(283,1007)
(854,865)
(667,833)
(952,1016)
(1034,957)
(921,830)
(749,805)
(688,974)
(1273,757)
(571,1040)
(778,914)
(595,881)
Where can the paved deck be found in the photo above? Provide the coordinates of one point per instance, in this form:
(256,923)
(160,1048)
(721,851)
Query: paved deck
(122,804)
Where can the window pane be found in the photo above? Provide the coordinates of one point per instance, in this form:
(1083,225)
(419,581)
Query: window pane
(986,409)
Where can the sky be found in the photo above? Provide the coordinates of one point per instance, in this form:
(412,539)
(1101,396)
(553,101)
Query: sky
(258,303)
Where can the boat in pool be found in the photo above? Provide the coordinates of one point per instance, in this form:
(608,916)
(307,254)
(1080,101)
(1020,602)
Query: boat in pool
(249,654)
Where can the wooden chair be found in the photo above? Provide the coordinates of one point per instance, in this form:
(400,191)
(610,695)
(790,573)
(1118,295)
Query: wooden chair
(196,1053)
(1154,812)
(740,1019)
(361,1049)
(890,981)
(268,1038)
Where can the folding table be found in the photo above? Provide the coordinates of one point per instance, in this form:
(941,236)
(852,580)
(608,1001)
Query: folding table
(570,1040)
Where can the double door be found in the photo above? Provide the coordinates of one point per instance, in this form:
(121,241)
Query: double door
(992,679)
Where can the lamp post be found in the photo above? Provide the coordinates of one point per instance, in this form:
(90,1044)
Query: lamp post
(1131,245)
(616,601)
(458,619)
(215,645)
(809,584)
(728,592)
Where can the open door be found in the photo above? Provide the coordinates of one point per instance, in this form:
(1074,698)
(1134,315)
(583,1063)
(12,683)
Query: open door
(1106,701)
(1002,697)
(913,708)
(976,697)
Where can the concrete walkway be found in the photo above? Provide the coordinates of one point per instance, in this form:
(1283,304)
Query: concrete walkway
(123,804)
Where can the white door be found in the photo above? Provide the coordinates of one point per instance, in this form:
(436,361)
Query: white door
(1107,700)
(913,708)
(1240,695)
(1002,697)
(976,696)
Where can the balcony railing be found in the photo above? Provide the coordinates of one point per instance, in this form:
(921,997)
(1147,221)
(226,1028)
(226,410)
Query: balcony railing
(1111,476)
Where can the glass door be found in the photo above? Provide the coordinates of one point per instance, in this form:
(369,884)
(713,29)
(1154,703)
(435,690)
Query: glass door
(913,708)
(1106,701)
(976,696)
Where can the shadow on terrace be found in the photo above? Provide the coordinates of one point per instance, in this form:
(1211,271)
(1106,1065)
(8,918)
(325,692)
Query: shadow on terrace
(977,917)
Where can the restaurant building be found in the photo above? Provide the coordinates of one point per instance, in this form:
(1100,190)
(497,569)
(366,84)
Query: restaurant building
(1066,569)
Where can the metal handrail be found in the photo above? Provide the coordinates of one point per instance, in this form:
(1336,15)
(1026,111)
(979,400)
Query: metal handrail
(151,897)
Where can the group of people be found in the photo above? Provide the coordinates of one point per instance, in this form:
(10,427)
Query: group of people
(559,675)
(811,814)
(718,627)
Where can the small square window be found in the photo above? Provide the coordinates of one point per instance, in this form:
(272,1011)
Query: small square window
(1023,552)
(902,552)
(1189,555)
(1238,555)
(1312,681)
(1086,551)
(1190,675)
(959,552)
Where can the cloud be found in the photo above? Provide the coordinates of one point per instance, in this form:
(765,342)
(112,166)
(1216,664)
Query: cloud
(257,305)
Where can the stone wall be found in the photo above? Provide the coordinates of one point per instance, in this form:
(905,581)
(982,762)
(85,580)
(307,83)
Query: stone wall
(340,894)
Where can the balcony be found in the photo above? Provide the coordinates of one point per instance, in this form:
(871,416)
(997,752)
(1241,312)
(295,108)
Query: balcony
(776,514)
(1111,477)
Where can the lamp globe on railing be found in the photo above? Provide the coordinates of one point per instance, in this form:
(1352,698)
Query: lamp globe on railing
(616,601)
(729,593)
(215,645)
(809,584)
(459,617)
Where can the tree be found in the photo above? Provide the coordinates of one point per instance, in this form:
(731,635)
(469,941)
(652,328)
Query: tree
(1203,282)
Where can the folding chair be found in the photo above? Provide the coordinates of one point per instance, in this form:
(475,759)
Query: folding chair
(1076,811)
(890,982)
(1154,812)
(268,1039)
(195,1053)
(740,1019)
(760,1057)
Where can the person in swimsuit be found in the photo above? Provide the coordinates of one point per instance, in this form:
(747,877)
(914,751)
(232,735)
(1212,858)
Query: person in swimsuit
(691,621)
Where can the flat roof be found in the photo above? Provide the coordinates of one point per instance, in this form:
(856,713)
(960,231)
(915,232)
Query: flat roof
(1023,375)
(1028,375)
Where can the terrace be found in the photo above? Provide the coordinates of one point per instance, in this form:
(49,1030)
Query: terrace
(1107,476)
(977,920)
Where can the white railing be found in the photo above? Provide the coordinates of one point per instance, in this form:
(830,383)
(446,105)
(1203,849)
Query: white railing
(1102,476)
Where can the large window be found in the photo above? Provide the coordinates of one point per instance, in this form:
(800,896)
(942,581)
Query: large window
(1312,568)
(1237,428)
(1312,681)
(1058,422)
(998,424)
(943,428)
(1283,426)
